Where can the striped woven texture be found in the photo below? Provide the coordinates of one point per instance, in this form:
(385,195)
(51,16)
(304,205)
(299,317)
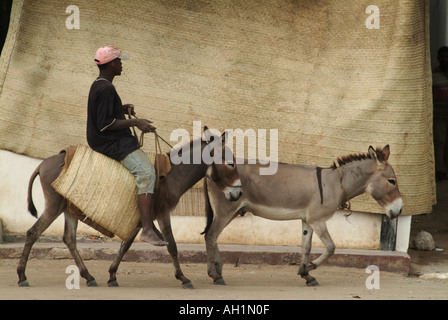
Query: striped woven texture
(103,189)
(311,69)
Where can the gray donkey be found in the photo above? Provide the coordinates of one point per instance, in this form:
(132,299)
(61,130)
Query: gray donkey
(309,193)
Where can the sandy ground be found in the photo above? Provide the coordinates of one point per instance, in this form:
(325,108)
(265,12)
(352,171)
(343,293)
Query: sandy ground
(141,280)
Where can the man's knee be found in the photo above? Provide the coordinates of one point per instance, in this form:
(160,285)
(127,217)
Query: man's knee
(145,183)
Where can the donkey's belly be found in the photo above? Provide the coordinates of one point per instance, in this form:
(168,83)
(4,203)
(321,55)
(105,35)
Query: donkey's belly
(275,213)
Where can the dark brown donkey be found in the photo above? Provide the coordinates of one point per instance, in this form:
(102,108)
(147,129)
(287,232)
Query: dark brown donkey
(181,178)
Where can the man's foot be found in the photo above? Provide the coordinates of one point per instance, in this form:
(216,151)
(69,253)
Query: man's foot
(152,238)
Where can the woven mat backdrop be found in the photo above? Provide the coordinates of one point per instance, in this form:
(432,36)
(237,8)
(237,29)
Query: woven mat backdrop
(310,69)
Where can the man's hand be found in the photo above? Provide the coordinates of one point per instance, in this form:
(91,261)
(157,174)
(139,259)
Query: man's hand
(129,107)
(145,125)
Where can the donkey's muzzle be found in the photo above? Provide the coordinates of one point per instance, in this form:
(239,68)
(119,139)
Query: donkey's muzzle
(233,194)
(394,209)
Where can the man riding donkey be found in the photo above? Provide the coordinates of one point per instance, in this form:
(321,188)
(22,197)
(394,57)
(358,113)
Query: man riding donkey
(108,133)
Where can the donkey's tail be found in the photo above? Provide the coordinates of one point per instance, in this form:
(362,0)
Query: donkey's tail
(31,207)
(208,208)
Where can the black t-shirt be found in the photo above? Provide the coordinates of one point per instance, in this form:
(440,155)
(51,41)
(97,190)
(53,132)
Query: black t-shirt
(104,107)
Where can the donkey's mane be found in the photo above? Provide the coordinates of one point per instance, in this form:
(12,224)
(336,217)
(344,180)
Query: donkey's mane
(358,157)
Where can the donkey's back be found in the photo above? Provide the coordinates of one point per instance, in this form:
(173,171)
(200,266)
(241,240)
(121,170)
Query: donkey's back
(284,195)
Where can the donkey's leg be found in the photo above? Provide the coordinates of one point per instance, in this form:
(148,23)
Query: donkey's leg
(53,209)
(307,235)
(321,230)
(125,245)
(165,226)
(214,261)
(71,224)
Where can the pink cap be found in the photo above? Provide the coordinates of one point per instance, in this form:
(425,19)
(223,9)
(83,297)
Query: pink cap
(107,54)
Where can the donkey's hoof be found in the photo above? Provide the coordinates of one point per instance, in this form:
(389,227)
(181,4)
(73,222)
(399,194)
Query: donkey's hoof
(92,283)
(312,283)
(112,283)
(23,283)
(220,282)
(187,285)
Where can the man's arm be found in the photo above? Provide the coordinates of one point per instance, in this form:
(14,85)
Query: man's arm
(142,124)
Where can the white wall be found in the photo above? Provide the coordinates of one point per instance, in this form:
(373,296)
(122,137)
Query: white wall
(15,172)
(359,231)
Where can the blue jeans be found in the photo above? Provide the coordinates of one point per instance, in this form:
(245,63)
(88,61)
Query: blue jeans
(141,167)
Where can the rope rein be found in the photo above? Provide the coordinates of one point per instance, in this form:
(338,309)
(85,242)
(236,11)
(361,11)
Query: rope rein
(140,139)
(346,204)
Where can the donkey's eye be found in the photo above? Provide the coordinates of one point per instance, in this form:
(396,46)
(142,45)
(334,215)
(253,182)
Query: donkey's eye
(230,164)
(391,181)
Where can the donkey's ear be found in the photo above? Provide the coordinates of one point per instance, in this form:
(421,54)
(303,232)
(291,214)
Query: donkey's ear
(224,137)
(210,134)
(372,153)
(386,152)
(207,135)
